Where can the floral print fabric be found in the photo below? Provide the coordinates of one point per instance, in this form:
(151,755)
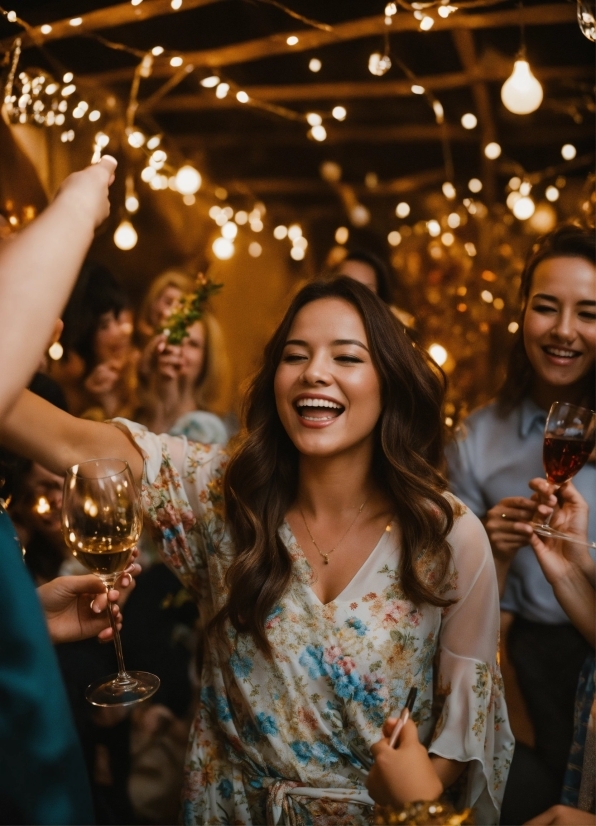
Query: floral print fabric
(287,740)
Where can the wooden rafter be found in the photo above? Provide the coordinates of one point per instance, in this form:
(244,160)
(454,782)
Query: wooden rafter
(106,18)
(276,44)
(343,91)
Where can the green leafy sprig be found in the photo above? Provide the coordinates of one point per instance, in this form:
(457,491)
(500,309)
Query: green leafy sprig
(190,309)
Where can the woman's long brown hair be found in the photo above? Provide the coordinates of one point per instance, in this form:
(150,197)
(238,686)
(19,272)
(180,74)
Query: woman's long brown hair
(261,480)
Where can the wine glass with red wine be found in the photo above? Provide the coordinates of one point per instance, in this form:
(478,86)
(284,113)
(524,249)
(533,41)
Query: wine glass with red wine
(568,443)
(102,520)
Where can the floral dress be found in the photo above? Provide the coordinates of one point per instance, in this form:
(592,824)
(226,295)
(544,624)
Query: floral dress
(287,740)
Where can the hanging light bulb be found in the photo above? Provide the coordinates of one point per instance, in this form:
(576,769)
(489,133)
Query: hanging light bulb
(379,64)
(521,93)
(524,207)
(188,180)
(125,236)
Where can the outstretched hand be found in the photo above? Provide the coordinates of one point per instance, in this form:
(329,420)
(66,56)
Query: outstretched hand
(75,606)
(402,775)
(87,190)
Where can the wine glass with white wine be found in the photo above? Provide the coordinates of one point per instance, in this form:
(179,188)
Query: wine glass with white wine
(102,520)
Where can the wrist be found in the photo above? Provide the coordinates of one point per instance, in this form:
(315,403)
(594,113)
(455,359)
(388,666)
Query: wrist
(78,211)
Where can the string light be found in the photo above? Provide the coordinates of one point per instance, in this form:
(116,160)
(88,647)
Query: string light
(280,232)
(445,11)
(242,97)
(492,150)
(402,210)
(521,93)
(486,296)
(525,188)
(513,327)
(552,193)
(475,185)
(223,248)
(46,28)
(222,90)
(241,217)
(315,64)
(76,21)
(125,236)
(394,238)
(379,64)
(434,228)
(453,220)
(176,4)
(427,23)
(318,133)
(359,215)
(292,40)
(523,208)
(210,81)
(131,203)
(188,180)
(417,89)
(449,190)
(447,238)
(341,235)
(438,353)
(153,142)
(136,139)
(297,253)
(469,121)
(339,112)
(255,249)
(157,50)
(176,61)
(135,2)
(568,151)
(313,119)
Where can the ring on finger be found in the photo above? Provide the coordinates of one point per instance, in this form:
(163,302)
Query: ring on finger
(503,516)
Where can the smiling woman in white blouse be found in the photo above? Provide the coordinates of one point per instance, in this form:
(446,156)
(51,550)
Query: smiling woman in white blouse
(334,569)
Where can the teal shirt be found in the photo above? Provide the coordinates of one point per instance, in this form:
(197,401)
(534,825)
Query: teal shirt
(43,778)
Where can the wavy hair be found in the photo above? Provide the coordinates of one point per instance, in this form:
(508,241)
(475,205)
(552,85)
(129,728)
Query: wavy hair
(565,241)
(261,480)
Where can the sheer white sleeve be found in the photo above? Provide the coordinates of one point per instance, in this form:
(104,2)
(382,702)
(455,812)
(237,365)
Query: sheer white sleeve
(473,727)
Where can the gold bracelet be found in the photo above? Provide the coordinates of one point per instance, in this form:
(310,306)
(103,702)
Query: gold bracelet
(422,813)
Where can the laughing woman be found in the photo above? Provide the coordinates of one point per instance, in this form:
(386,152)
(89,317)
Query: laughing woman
(335,570)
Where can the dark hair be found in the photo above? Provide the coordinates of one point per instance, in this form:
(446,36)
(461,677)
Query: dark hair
(96,293)
(385,285)
(261,480)
(566,241)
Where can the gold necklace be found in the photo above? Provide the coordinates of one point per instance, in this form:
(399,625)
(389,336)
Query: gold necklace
(337,544)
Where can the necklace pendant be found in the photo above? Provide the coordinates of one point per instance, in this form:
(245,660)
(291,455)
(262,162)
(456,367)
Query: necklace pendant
(326,559)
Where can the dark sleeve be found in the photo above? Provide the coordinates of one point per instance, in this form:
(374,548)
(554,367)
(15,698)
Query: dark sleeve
(42,773)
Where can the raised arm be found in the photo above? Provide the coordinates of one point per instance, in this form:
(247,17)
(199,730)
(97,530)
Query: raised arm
(38,268)
(48,435)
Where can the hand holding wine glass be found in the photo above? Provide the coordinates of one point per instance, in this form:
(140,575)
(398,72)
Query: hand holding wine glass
(102,521)
(568,443)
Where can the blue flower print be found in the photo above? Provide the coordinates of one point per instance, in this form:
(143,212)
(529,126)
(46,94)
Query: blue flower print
(302,750)
(266,724)
(312,658)
(241,666)
(208,696)
(225,788)
(222,709)
(323,754)
(359,627)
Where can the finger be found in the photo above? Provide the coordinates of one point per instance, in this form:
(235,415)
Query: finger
(109,163)
(544,819)
(409,734)
(389,725)
(378,747)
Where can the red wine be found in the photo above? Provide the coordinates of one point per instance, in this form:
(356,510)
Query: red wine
(563,458)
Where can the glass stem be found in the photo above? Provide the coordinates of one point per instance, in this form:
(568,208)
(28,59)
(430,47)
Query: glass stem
(546,520)
(122,678)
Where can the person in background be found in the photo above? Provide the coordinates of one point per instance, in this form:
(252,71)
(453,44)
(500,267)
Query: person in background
(162,296)
(499,449)
(98,369)
(185,389)
(374,273)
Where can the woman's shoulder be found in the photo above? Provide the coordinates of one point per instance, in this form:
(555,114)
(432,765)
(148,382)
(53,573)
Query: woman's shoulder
(468,538)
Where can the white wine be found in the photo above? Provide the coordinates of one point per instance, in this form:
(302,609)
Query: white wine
(105,556)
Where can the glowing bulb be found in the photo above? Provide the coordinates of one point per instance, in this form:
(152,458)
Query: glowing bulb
(68,90)
(292,40)
(513,327)
(318,133)
(76,21)
(176,61)
(131,203)
(521,93)
(125,236)
(439,111)
(135,2)
(434,228)
(427,23)
(255,249)
(438,354)
(51,88)
(474,185)
(469,121)
(341,235)
(102,140)
(176,4)
(568,151)
(46,28)
(449,190)
(300,242)
(297,253)
(222,90)
(241,217)
(157,50)
(210,81)
(229,230)
(417,89)
(390,9)
(359,215)
(294,231)
(313,119)
(492,150)
(379,64)
(514,183)
(136,139)
(188,180)
(402,210)
(280,232)
(470,249)
(153,142)
(223,248)
(94,115)
(552,193)
(447,238)
(242,97)
(339,113)
(486,296)
(56,351)
(68,77)
(394,238)
(524,207)
(525,188)
(315,64)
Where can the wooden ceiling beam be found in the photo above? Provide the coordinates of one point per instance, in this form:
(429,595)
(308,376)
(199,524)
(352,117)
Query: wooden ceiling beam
(106,18)
(360,90)
(409,133)
(544,15)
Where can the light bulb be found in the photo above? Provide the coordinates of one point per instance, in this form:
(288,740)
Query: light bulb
(438,354)
(568,151)
(453,220)
(176,61)
(426,23)
(46,28)
(255,249)
(157,50)
(229,230)
(402,210)
(434,228)
(492,150)
(379,64)
(292,40)
(297,253)
(131,203)
(315,64)
(94,115)
(294,231)
(318,133)
(552,193)
(313,119)
(394,238)
(341,235)
(136,139)
(521,93)
(188,180)
(222,90)
(417,89)
(359,215)
(524,207)
(223,248)
(469,121)
(125,236)
(280,232)
(210,81)
(474,185)
(449,190)
(330,171)
(339,113)
(242,97)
